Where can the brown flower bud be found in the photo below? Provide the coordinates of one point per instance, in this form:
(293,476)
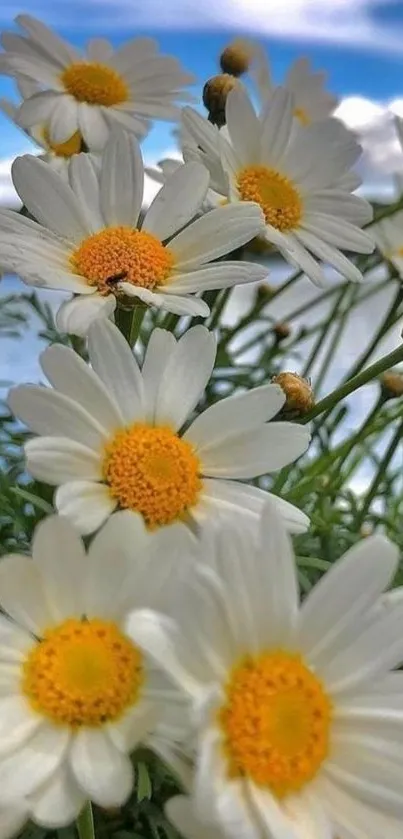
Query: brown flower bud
(264,291)
(366,530)
(281,331)
(215,94)
(391,384)
(299,395)
(235,59)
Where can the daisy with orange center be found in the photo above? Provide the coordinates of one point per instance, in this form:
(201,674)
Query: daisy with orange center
(298,175)
(92,92)
(76,691)
(112,437)
(296,711)
(87,238)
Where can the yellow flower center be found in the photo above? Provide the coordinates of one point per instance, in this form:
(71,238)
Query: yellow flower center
(152,471)
(71,146)
(94,83)
(83,672)
(277,196)
(302,116)
(276,722)
(122,253)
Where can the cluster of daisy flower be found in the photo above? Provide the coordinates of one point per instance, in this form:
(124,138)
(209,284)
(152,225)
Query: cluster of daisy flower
(177,622)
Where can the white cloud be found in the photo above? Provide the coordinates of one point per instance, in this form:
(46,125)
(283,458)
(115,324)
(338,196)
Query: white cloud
(329,21)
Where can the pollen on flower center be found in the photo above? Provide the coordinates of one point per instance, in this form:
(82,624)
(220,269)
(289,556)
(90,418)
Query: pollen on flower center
(83,672)
(94,83)
(277,196)
(133,256)
(152,471)
(275,721)
(71,146)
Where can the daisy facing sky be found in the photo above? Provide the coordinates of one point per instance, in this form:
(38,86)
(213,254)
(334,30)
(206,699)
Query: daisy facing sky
(115,437)
(298,175)
(88,240)
(297,714)
(76,692)
(89,93)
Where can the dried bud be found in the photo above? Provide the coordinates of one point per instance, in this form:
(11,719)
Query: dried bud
(391,384)
(235,59)
(281,331)
(264,291)
(215,94)
(298,391)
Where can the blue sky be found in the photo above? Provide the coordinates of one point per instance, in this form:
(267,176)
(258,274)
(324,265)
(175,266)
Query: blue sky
(358,42)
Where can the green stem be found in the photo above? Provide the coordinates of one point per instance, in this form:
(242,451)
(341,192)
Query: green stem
(389,210)
(135,326)
(329,356)
(218,308)
(286,285)
(323,333)
(353,384)
(361,433)
(85,822)
(123,320)
(377,480)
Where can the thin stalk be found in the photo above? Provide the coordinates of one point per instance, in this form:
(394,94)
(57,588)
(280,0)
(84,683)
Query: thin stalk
(377,480)
(136,322)
(323,333)
(123,320)
(353,384)
(85,822)
(333,344)
(218,308)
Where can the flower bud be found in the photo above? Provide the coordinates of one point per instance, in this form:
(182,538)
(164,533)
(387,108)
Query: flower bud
(281,331)
(215,94)
(235,59)
(299,394)
(391,384)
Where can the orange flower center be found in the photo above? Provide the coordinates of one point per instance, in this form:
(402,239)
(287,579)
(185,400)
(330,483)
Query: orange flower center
(152,471)
(122,253)
(71,146)
(276,195)
(275,721)
(83,672)
(94,83)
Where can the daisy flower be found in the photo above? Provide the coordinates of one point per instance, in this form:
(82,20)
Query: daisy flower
(388,235)
(298,718)
(77,693)
(88,93)
(113,437)
(298,175)
(56,154)
(312,103)
(88,239)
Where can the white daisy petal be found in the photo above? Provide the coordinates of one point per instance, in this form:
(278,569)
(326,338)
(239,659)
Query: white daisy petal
(76,316)
(214,276)
(31,765)
(255,451)
(376,649)
(63,120)
(85,503)
(354,818)
(68,373)
(37,109)
(45,39)
(276,127)
(216,234)
(373,782)
(59,555)
(243,126)
(330,255)
(49,198)
(14,815)
(102,771)
(160,346)
(110,588)
(178,201)
(275,580)
(56,460)
(15,643)
(114,363)
(186,374)
(270,814)
(47,411)
(22,593)
(179,305)
(18,723)
(294,519)
(329,613)
(128,731)
(122,180)
(235,415)
(309,815)
(84,181)
(59,801)
(181,813)
(99,50)
(93,126)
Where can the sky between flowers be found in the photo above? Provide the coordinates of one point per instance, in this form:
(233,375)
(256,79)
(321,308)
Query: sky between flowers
(358,42)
